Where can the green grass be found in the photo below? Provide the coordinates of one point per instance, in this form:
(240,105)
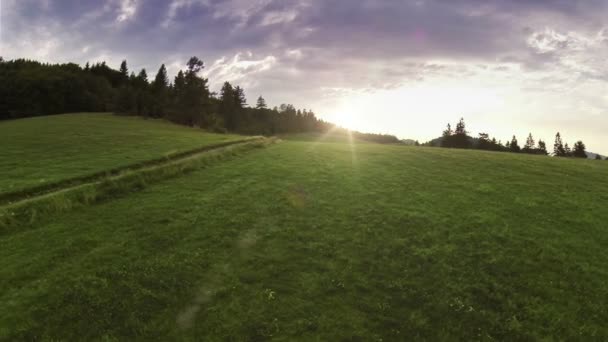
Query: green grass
(40,151)
(304,241)
(14,216)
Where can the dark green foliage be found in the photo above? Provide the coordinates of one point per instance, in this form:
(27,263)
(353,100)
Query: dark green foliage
(458,138)
(579,150)
(514,146)
(568,151)
(558,146)
(542,148)
(261,104)
(29,88)
(530,145)
(598,157)
(159,100)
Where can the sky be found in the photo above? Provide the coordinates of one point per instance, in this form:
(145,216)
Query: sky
(403,67)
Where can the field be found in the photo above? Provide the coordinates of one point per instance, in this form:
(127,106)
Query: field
(43,150)
(306,240)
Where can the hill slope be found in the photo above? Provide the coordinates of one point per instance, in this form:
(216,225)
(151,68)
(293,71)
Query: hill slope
(325,241)
(42,150)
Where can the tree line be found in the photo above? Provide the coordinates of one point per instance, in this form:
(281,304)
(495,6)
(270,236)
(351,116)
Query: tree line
(459,138)
(30,88)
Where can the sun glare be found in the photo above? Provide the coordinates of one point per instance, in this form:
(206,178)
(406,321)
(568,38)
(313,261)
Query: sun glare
(413,108)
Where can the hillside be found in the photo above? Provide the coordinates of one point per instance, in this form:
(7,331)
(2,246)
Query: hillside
(43,150)
(321,240)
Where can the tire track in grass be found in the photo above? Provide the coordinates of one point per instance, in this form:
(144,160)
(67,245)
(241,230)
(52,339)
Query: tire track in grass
(7,198)
(29,210)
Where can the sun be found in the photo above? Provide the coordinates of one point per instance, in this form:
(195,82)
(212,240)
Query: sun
(345,119)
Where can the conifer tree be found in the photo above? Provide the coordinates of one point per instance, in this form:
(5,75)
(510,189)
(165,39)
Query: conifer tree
(160,87)
(579,150)
(530,143)
(542,147)
(514,146)
(558,146)
(261,104)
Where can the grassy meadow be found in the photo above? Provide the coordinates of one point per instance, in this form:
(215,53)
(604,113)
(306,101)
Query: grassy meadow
(43,150)
(306,240)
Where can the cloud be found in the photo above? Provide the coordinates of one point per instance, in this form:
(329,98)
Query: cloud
(127,10)
(242,69)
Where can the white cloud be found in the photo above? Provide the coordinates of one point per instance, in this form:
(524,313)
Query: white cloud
(279,17)
(241,69)
(126,10)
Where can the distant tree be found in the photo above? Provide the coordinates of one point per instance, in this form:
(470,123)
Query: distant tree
(558,146)
(568,151)
(416,143)
(142,77)
(161,80)
(87,67)
(239,97)
(579,150)
(124,72)
(227,106)
(192,97)
(483,141)
(160,88)
(530,144)
(598,157)
(195,65)
(542,148)
(143,97)
(460,127)
(261,104)
(460,138)
(514,146)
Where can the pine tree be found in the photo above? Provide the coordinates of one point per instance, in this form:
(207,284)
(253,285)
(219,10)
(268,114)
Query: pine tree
(460,138)
(542,148)
(142,77)
(239,97)
(123,68)
(530,143)
(598,157)
(161,81)
(514,146)
(193,99)
(446,140)
(124,72)
(160,87)
(261,104)
(567,150)
(460,128)
(558,146)
(579,150)
(87,67)
(227,106)
(448,132)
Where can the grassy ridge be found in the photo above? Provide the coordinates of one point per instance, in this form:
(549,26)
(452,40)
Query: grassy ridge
(39,190)
(114,183)
(328,242)
(38,152)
